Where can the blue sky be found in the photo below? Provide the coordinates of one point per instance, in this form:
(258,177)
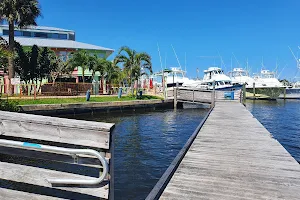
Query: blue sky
(249,29)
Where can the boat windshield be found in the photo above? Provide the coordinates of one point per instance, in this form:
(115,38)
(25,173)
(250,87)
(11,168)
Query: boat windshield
(218,72)
(242,73)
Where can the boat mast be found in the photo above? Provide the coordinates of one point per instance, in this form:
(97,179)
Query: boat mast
(160,58)
(166,61)
(176,56)
(236,60)
(297,61)
(185,62)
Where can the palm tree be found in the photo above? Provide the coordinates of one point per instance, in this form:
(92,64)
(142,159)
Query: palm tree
(96,64)
(112,72)
(134,63)
(81,59)
(21,13)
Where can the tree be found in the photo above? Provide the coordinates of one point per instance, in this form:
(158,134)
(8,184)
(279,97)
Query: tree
(134,63)
(22,63)
(112,71)
(97,64)
(4,53)
(58,67)
(285,82)
(33,63)
(21,13)
(80,59)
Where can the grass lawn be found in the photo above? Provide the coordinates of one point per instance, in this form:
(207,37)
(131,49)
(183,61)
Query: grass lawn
(80,100)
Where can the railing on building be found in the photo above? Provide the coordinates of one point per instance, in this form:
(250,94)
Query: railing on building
(75,89)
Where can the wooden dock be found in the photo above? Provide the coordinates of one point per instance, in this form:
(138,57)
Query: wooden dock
(232,157)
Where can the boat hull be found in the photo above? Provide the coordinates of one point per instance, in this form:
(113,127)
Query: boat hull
(264,93)
(291,93)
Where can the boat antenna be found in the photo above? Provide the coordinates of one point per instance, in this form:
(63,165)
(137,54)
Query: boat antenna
(297,60)
(222,61)
(276,68)
(281,71)
(262,63)
(176,56)
(185,61)
(160,58)
(231,63)
(236,59)
(166,61)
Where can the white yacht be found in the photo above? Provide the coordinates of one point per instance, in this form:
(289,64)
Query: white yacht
(211,75)
(241,76)
(176,75)
(267,79)
(292,92)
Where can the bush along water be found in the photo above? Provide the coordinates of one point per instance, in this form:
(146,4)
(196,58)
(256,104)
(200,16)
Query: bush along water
(9,105)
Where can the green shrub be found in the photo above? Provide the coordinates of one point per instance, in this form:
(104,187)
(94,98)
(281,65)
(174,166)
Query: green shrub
(9,105)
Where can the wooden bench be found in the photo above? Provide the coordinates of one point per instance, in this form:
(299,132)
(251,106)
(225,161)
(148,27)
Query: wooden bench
(24,172)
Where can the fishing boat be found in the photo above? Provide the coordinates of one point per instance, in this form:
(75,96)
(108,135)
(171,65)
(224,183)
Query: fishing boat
(176,76)
(266,86)
(292,92)
(241,76)
(214,75)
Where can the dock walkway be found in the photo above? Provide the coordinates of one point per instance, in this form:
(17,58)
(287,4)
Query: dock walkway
(235,157)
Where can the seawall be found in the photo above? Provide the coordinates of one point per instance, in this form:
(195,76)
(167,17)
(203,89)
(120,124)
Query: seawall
(76,108)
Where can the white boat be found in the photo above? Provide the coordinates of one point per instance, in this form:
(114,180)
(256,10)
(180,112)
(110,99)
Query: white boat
(211,75)
(176,75)
(267,79)
(241,76)
(292,92)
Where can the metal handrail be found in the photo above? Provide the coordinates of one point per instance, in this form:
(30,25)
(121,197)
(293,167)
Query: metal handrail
(73,152)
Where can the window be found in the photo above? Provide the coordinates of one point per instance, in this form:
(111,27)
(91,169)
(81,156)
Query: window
(62,36)
(54,35)
(5,32)
(63,55)
(26,33)
(18,33)
(72,36)
(40,34)
(101,55)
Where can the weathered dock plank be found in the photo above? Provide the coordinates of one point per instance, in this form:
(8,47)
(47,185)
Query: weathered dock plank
(38,177)
(235,157)
(18,195)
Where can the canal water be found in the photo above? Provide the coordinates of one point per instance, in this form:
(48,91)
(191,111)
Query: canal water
(145,145)
(282,119)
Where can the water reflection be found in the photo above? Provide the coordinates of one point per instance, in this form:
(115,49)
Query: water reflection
(145,145)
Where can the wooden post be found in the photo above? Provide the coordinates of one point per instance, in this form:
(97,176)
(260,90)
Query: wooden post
(175,98)
(284,93)
(213,95)
(244,94)
(21,92)
(173,84)
(254,89)
(34,92)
